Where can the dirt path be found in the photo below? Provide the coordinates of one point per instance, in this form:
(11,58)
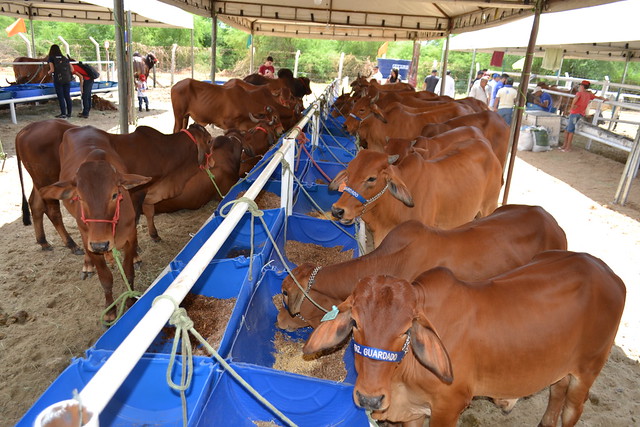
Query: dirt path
(61,311)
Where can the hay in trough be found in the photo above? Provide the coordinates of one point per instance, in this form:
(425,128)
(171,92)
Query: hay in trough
(210,317)
(300,253)
(327,365)
(265,200)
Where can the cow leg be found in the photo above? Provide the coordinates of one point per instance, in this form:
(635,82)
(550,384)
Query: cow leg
(446,411)
(577,394)
(51,208)
(106,280)
(149,210)
(557,395)
(128,265)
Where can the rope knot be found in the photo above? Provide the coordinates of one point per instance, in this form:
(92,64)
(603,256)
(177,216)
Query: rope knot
(180,319)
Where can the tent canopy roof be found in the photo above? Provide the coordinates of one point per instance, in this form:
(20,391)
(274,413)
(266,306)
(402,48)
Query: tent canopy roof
(606,32)
(148,13)
(371,19)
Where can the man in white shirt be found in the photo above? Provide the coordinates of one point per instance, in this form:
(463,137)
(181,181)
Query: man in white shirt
(449,85)
(506,100)
(377,75)
(480,90)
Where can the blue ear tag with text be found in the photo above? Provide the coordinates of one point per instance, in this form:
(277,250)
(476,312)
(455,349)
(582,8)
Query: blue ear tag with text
(330,314)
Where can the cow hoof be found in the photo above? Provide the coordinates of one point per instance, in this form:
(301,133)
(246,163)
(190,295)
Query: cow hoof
(77,251)
(86,274)
(46,247)
(156,238)
(137,265)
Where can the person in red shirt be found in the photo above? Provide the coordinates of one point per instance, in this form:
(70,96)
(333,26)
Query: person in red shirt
(578,110)
(86,85)
(267,69)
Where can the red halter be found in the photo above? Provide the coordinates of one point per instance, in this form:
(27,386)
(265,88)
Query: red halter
(113,222)
(262,129)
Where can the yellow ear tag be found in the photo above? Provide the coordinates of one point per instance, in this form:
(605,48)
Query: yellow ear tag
(342,186)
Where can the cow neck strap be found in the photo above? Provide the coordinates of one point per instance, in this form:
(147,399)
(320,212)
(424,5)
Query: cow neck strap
(190,135)
(382,355)
(361,119)
(113,221)
(305,292)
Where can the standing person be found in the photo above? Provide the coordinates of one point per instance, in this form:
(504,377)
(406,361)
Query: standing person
(86,86)
(479,75)
(480,90)
(577,110)
(431,81)
(541,101)
(449,85)
(60,68)
(377,75)
(506,100)
(499,85)
(394,77)
(141,88)
(267,68)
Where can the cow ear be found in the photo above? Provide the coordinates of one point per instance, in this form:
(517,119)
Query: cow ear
(430,351)
(397,187)
(129,180)
(339,179)
(61,190)
(378,113)
(331,332)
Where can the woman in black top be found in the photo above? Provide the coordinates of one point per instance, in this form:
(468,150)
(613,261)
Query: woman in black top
(394,77)
(60,67)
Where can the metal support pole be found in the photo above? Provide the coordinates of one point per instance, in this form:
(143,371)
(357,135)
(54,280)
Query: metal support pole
(471,75)
(66,45)
(131,88)
(28,43)
(214,46)
(337,87)
(33,40)
(628,172)
(251,52)
(522,98)
(173,61)
(97,45)
(295,65)
(123,95)
(106,50)
(412,77)
(193,61)
(624,77)
(445,59)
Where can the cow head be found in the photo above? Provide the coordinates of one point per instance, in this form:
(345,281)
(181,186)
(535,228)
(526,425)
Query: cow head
(98,194)
(367,177)
(387,326)
(204,141)
(342,105)
(363,110)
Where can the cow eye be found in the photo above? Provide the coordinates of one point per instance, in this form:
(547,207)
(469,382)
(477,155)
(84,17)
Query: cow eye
(285,294)
(371,179)
(114,196)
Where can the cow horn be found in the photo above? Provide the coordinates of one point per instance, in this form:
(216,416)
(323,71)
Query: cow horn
(253,118)
(392,159)
(375,98)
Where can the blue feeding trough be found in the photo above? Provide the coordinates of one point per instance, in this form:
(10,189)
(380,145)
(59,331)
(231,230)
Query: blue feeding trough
(48,89)
(329,154)
(322,172)
(305,401)
(343,142)
(144,399)
(272,186)
(315,194)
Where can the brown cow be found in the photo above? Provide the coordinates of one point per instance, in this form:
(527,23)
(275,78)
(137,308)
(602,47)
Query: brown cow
(93,186)
(37,148)
(257,141)
(483,248)
(490,123)
(429,347)
(225,107)
(169,159)
(373,125)
(199,189)
(31,73)
(299,86)
(143,65)
(462,183)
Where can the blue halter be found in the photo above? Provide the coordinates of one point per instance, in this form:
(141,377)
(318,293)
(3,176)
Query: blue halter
(382,355)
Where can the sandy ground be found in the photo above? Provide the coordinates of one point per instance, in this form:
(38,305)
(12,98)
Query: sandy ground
(62,311)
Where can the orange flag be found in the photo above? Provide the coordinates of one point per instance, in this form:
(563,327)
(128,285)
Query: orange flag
(16,27)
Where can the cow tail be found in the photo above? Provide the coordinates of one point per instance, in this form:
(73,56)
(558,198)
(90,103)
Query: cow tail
(26,213)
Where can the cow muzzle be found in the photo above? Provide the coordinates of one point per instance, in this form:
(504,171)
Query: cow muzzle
(371,403)
(338,213)
(100,247)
